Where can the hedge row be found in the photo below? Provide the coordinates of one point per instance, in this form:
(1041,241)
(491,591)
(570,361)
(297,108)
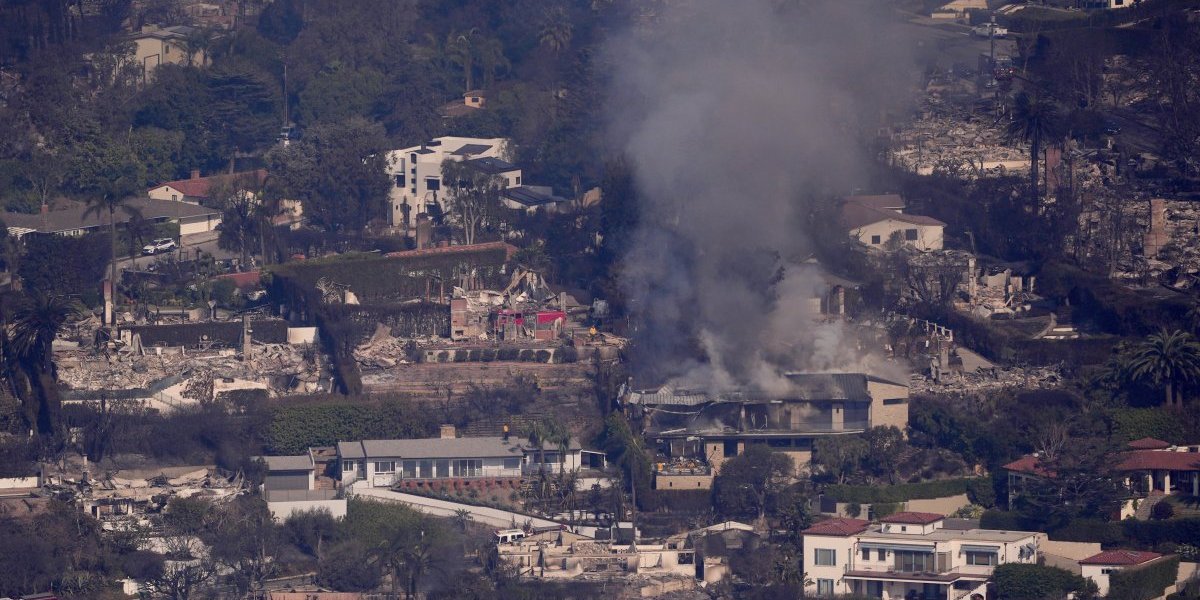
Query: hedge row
(1129,533)
(1143,583)
(296,428)
(872,494)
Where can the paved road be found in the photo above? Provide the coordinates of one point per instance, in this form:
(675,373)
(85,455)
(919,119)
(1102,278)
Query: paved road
(494,517)
(189,244)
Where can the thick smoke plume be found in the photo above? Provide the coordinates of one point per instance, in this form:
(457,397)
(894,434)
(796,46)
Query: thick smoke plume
(735,116)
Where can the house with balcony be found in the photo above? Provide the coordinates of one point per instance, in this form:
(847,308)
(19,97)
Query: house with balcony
(1150,468)
(416,173)
(695,431)
(387,463)
(909,555)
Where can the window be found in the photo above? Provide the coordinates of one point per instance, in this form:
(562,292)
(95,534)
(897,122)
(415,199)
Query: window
(866,553)
(468,467)
(413,159)
(512,463)
(981,559)
(347,466)
(410,468)
(1108,571)
(400,182)
(903,528)
(892,401)
(875,239)
(910,235)
(882,554)
(518,180)
(825,558)
(914,562)
(825,587)
(443,467)
(433,184)
(175,197)
(385,466)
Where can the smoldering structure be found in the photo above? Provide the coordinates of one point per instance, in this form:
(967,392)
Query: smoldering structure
(697,430)
(735,116)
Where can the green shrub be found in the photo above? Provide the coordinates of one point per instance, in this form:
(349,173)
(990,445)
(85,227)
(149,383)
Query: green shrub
(295,428)
(1162,511)
(884,509)
(853,509)
(1143,583)
(1016,581)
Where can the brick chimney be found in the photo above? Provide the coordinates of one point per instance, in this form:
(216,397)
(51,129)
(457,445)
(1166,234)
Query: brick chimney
(448,432)
(195,173)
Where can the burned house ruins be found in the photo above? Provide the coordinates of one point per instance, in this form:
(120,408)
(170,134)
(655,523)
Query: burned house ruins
(696,430)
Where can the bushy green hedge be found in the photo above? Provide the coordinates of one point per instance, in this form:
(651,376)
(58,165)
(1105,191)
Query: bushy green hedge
(883,494)
(1151,533)
(1136,423)
(295,428)
(1016,581)
(1143,583)
(1128,533)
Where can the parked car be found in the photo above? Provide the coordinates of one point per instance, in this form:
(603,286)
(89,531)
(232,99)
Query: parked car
(990,30)
(159,245)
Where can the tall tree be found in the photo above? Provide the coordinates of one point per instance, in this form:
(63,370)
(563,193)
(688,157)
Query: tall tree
(556,30)
(34,327)
(473,195)
(337,172)
(840,455)
(461,49)
(752,481)
(118,175)
(1170,359)
(1034,121)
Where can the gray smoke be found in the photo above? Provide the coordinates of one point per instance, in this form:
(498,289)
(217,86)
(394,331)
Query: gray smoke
(735,116)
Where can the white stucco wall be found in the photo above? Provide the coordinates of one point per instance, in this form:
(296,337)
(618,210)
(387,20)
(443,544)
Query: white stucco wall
(929,237)
(280,511)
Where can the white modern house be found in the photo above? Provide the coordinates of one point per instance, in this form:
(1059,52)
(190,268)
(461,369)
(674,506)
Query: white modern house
(874,220)
(416,173)
(909,555)
(384,463)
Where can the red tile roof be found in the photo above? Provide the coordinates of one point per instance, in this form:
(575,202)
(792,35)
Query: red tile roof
(199,187)
(509,250)
(1149,443)
(1027,464)
(1164,460)
(913,518)
(1120,557)
(839,527)
(855,216)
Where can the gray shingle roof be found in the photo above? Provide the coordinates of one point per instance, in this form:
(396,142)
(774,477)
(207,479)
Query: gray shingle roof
(302,462)
(467,447)
(73,217)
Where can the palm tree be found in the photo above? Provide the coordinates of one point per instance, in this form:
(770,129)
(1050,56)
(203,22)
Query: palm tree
(1035,121)
(556,31)
(460,49)
(35,325)
(120,175)
(1169,359)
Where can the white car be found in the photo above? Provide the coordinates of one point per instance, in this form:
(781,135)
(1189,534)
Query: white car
(990,30)
(159,245)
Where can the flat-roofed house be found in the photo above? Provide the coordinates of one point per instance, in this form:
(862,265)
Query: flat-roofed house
(909,555)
